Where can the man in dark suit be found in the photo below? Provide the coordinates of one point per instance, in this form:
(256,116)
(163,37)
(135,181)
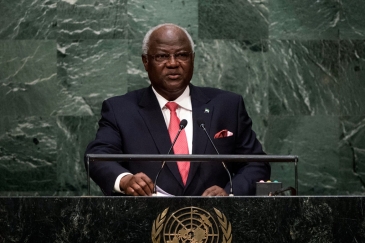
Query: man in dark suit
(137,122)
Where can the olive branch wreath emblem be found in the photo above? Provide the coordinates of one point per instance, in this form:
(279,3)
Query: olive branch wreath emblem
(226,226)
(158,224)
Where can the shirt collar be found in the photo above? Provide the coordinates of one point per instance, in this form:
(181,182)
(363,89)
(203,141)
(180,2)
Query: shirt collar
(183,100)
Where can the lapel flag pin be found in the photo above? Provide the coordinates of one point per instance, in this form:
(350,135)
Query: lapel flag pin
(206,110)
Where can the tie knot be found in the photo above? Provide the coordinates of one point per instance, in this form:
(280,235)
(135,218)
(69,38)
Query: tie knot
(172,106)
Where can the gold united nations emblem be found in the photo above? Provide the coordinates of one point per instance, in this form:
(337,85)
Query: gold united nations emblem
(191,225)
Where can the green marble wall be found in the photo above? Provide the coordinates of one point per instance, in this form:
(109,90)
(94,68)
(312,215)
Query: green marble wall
(299,64)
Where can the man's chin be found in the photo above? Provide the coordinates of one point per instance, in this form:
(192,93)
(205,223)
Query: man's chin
(174,81)
(173,91)
(175,84)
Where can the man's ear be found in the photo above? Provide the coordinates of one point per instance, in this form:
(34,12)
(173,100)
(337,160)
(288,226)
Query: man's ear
(145,62)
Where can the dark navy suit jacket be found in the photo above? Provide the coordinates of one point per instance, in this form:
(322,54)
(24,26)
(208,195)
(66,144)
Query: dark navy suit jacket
(134,124)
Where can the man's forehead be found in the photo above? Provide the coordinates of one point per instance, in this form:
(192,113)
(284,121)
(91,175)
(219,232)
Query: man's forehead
(168,36)
(168,32)
(166,28)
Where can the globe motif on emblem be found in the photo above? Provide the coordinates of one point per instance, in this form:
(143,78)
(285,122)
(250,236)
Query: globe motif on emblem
(191,225)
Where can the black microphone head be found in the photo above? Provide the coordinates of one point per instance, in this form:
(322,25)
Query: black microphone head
(201,122)
(183,123)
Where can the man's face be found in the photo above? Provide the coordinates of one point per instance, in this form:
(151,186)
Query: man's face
(169,78)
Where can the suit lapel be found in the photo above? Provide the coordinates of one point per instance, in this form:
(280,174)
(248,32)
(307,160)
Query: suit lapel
(202,110)
(153,118)
(151,113)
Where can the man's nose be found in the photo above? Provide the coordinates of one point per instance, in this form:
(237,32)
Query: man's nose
(172,62)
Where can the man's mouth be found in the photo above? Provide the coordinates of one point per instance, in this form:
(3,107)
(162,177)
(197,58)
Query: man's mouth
(173,76)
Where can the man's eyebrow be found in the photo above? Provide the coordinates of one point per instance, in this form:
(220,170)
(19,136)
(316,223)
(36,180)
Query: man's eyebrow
(167,52)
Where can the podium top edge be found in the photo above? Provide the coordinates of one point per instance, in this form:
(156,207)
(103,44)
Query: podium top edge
(193,157)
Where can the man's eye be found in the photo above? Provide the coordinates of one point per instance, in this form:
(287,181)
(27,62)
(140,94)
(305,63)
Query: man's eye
(162,56)
(182,54)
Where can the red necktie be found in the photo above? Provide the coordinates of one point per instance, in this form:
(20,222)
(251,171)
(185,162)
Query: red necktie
(181,145)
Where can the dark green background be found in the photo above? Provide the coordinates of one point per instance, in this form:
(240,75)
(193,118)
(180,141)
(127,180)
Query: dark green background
(299,64)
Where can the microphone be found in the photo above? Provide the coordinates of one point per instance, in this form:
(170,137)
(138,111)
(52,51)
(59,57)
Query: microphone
(182,125)
(201,124)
